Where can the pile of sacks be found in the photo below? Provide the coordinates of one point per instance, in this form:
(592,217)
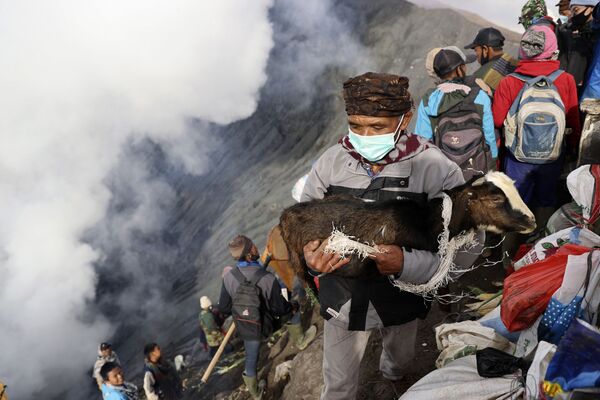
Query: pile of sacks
(542,341)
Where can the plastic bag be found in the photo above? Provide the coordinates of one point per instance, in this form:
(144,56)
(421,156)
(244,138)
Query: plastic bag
(576,363)
(493,363)
(550,245)
(528,291)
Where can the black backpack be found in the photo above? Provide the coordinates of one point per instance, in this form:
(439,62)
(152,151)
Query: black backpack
(459,135)
(252,320)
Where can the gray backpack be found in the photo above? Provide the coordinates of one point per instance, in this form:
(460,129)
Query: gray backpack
(459,135)
(534,127)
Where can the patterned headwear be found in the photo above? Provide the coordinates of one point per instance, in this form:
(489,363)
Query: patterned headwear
(531,11)
(538,43)
(377,95)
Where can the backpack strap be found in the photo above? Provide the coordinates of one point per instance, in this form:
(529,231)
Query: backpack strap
(553,76)
(258,275)
(529,81)
(241,278)
(237,274)
(470,98)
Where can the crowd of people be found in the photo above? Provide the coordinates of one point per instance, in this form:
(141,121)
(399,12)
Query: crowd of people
(520,115)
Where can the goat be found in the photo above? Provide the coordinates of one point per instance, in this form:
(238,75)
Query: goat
(491,203)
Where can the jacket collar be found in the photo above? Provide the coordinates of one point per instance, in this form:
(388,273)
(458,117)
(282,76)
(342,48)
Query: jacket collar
(536,68)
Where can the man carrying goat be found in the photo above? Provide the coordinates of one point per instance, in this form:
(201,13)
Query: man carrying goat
(376,160)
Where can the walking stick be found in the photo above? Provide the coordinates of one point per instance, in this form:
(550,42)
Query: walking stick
(215,359)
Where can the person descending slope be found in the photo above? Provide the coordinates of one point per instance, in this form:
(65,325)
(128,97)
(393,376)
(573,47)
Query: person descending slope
(211,326)
(254,297)
(457,116)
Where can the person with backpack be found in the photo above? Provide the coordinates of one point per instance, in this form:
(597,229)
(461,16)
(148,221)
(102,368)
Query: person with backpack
(457,116)
(536,105)
(495,63)
(254,297)
(161,381)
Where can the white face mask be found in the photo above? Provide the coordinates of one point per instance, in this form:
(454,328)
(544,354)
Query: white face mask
(563,19)
(374,148)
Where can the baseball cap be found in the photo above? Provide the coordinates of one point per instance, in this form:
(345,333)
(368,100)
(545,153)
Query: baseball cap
(446,61)
(468,59)
(487,37)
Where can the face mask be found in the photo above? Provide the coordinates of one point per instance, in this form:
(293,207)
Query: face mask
(375,147)
(579,20)
(563,19)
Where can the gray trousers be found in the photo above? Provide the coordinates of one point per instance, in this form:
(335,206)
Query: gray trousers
(343,351)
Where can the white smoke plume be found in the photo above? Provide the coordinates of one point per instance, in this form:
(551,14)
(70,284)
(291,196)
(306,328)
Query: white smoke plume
(80,79)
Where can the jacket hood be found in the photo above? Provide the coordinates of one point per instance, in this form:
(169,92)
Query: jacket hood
(111,358)
(446,96)
(536,68)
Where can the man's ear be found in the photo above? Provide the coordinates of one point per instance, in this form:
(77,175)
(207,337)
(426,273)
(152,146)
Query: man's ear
(406,121)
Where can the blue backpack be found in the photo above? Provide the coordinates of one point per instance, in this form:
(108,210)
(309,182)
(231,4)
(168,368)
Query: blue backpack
(534,128)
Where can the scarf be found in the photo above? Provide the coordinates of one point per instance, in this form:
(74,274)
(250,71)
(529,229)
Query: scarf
(407,146)
(129,390)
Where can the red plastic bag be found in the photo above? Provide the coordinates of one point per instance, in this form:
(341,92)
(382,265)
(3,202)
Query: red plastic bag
(527,292)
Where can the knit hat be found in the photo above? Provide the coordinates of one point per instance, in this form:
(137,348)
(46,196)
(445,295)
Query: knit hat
(538,43)
(585,3)
(205,303)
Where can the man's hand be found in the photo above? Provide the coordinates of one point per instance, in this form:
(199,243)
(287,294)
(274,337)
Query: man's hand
(318,260)
(391,259)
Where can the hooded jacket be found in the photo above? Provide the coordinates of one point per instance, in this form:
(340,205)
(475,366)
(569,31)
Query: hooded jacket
(509,89)
(448,95)
(127,391)
(100,361)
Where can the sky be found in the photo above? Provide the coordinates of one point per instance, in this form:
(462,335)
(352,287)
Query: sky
(503,12)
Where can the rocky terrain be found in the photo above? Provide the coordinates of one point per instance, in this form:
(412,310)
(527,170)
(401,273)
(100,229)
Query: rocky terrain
(255,162)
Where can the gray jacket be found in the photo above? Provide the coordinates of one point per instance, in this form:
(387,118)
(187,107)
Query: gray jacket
(421,177)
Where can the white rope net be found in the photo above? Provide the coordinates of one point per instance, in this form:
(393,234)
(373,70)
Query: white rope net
(343,244)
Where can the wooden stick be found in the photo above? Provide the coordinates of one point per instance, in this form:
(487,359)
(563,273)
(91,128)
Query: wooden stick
(215,359)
